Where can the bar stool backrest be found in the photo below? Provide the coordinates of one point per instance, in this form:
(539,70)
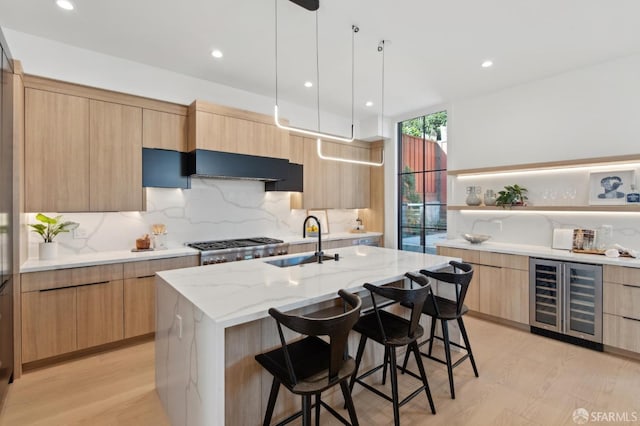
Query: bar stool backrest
(337,328)
(460,277)
(413,298)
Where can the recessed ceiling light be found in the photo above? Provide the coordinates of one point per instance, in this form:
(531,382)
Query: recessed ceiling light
(368,103)
(486,64)
(216,54)
(308,84)
(65,4)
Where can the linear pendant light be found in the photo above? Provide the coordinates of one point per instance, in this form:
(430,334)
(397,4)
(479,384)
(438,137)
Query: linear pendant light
(310,132)
(347,160)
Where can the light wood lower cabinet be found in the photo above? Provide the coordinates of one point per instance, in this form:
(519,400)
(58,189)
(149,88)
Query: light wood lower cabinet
(49,321)
(71,309)
(504,293)
(620,301)
(621,332)
(100,313)
(139,306)
(140,292)
(500,284)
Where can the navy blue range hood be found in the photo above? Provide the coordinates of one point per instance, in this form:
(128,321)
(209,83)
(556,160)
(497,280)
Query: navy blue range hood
(229,165)
(173,169)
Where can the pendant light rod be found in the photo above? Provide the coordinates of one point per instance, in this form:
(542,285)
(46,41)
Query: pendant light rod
(347,160)
(309,132)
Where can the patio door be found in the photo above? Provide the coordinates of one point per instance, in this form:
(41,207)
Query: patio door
(422,182)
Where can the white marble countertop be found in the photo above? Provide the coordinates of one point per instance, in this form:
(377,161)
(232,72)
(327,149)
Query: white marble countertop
(239,292)
(118,256)
(102,258)
(541,251)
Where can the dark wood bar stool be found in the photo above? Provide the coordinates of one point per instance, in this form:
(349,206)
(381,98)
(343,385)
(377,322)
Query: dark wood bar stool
(309,366)
(445,310)
(393,331)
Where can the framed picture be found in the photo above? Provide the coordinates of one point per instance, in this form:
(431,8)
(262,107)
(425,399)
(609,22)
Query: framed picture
(322,217)
(609,188)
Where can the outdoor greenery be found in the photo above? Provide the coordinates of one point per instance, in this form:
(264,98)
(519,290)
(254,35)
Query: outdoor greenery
(51,226)
(409,186)
(426,125)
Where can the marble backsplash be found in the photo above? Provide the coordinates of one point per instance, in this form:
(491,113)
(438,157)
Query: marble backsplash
(212,209)
(536,228)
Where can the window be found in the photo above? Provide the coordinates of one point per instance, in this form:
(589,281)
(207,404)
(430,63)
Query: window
(422,182)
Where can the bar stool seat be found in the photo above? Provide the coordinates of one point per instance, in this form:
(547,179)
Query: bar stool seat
(310,365)
(448,309)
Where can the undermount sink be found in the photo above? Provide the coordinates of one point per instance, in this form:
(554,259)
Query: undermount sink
(298,260)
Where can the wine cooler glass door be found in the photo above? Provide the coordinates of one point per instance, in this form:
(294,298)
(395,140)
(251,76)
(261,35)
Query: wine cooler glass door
(583,301)
(545,294)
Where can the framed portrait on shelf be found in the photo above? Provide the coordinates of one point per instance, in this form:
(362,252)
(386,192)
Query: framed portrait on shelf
(610,188)
(322,217)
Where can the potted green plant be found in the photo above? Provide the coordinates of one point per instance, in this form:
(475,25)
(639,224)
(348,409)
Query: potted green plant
(512,195)
(48,229)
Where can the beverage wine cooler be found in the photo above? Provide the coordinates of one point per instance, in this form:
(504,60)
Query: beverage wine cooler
(566,301)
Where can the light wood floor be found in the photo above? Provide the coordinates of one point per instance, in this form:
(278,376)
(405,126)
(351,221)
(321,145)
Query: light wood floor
(524,380)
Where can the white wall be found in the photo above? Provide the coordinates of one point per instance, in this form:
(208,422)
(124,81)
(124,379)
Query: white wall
(60,61)
(584,113)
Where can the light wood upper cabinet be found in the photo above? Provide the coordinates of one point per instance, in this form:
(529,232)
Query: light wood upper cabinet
(219,128)
(116,157)
(332,184)
(164,130)
(56,152)
(100,313)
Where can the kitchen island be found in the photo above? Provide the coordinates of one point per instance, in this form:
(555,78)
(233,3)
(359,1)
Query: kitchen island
(212,321)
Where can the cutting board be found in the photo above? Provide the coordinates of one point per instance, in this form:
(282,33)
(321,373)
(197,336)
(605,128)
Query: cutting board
(562,239)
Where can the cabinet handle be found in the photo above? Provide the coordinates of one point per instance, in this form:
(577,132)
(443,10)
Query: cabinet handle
(72,286)
(490,266)
(631,286)
(632,319)
(96,283)
(146,276)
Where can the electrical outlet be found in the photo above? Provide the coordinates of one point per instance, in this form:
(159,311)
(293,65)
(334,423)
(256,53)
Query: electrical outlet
(499,223)
(179,326)
(80,233)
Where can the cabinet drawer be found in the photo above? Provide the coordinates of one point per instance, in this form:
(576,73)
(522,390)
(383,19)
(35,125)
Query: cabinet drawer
(621,299)
(501,260)
(46,280)
(150,267)
(468,256)
(621,332)
(621,275)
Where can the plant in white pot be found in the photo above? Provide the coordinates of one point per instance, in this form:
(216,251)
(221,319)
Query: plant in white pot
(48,229)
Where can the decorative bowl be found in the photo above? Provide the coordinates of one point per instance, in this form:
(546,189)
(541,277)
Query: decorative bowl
(476,238)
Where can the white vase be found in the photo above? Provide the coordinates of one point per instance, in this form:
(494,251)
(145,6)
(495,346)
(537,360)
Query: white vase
(48,251)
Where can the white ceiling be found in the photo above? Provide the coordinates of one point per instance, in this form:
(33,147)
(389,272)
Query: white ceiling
(434,54)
